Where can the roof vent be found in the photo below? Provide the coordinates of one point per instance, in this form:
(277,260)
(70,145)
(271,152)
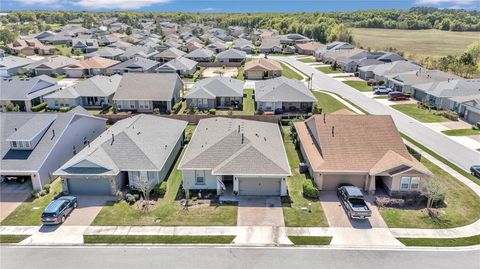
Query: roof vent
(138,133)
(324,115)
(113,139)
(333,131)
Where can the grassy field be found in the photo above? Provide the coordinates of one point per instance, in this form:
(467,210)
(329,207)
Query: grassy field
(463,206)
(30,211)
(461,132)
(359,85)
(329,70)
(415,43)
(158,239)
(292,210)
(310,240)
(169,212)
(289,72)
(441,242)
(419,114)
(12,238)
(327,103)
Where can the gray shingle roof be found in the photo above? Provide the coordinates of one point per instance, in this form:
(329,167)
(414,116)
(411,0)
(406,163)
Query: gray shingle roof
(106,52)
(136,63)
(170,53)
(217,145)
(200,53)
(13,62)
(142,51)
(26,88)
(451,88)
(180,64)
(143,142)
(148,86)
(99,86)
(283,89)
(216,87)
(232,54)
(53,62)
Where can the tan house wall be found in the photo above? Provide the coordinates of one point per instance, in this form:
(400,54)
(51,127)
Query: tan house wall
(392,184)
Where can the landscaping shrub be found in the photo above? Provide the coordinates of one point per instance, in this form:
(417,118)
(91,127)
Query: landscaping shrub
(39,107)
(310,189)
(35,194)
(177,107)
(46,188)
(450,115)
(119,195)
(212,111)
(385,201)
(42,193)
(65,108)
(130,198)
(161,189)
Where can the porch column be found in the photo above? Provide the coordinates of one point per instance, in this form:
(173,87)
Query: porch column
(319,180)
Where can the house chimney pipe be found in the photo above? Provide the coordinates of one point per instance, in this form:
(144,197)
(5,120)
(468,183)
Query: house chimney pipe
(324,115)
(242,138)
(333,131)
(113,139)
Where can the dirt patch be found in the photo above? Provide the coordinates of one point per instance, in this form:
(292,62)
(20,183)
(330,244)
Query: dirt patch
(219,71)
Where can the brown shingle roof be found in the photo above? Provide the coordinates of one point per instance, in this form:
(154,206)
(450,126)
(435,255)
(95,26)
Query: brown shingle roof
(361,143)
(95,62)
(264,64)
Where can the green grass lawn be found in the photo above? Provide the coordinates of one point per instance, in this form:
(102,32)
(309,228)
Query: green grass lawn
(64,50)
(289,72)
(248,104)
(461,132)
(328,70)
(169,211)
(463,206)
(419,114)
(240,75)
(359,85)
(328,103)
(30,211)
(307,60)
(293,213)
(310,240)
(12,238)
(158,239)
(441,242)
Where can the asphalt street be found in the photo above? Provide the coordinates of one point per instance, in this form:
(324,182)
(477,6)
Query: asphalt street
(120,257)
(441,144)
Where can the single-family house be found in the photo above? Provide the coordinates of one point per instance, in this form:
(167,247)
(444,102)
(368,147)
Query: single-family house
(366,151)
(262,68)
(52,65)
(217,47)
(86,45)
(34,145)
(138,151)
(215,92)
(168,55)
(244,45)
(333,46)
(293,38)
(135,65)
(25,92)
(146,52)
(29,47)
(90,67)
(468,108)
(201,55)
(381,71)
(148,92)
(107,52)
(184,67)
(242,157)
(13,65)
(403,82)
(283,94)
(308,48)
(270,45)
(95,92)
(231,56)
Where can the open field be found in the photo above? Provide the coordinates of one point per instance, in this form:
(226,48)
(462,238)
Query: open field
(416,43)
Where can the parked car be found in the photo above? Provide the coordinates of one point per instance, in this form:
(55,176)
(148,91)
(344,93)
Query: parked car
(475,170)
(353,202)
(58,210)
(16,179)
(396,96)
(381,90)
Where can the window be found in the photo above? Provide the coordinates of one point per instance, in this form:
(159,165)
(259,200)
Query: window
(14,144)
(27,144)
(132,104)
(143,104)
(20,144)
(415,183)
(199,177)
(405,183)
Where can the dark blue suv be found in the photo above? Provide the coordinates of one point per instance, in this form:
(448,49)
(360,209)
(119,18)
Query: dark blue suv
(58,210)
(475,170)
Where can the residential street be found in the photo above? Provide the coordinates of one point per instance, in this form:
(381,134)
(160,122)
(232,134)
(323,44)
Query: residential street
(235,257)
(439,143)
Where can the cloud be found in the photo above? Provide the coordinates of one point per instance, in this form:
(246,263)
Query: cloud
(117,4)
(209,9)
(456,3)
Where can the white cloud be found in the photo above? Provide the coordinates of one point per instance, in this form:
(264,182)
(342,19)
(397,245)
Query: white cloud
(209,9)
(117,4)
(450,2)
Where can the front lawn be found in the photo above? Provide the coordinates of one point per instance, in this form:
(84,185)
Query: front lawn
(461,132)
(12,238)
(310,240)
(158,239)
(307,60)
(168,212)
(64,50)
(423,115)
(30,211)
(294,205)
(329,70)
(327,103)
(441,242)
(289,72)
(463,206)
(359,85)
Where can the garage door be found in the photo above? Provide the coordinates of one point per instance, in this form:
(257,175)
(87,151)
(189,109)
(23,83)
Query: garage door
(259,186)
(89,186)
(331,182)
(255,74)
(472,118)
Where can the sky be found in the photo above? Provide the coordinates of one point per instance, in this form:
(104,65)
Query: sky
(221,6)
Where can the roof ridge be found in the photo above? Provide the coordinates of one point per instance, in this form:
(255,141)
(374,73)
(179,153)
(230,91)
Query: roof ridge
(227,160)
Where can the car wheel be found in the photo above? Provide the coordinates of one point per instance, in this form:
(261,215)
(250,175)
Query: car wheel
(75,205)
(63,219)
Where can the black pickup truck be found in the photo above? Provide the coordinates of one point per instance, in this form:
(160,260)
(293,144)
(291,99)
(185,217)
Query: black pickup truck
(352,200)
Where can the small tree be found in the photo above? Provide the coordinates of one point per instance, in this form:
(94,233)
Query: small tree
(434,190)
(114,108)
(145,187)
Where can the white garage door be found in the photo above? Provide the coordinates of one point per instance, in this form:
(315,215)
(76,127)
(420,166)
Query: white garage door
(259,186)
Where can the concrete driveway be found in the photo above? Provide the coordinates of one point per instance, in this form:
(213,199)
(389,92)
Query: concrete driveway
(11,196)
(260,211)
(337,217)
(88,208)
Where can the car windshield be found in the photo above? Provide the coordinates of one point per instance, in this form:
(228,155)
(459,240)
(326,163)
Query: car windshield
(48,214)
